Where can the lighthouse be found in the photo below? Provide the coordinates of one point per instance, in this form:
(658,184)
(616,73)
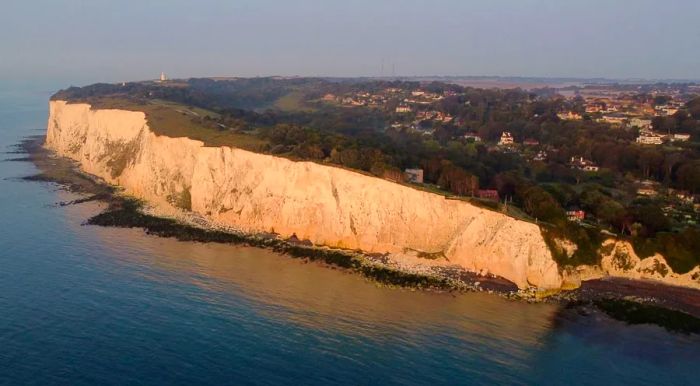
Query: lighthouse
(163,78)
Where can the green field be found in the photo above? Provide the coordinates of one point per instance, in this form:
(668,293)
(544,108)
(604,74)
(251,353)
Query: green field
(292,102)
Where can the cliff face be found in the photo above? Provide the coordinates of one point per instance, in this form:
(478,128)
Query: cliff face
(327,205)
(620,260)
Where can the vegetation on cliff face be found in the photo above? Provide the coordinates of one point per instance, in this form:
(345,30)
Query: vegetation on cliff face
(182,200)
(681,250)
(587,242)
(120,155)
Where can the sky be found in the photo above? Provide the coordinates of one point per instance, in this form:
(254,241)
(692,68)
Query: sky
(86,41)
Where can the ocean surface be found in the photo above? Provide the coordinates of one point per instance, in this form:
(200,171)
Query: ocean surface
(84,305)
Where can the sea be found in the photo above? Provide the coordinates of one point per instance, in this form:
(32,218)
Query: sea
(86,305)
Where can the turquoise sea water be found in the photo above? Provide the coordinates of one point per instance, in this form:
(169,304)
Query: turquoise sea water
(82,305)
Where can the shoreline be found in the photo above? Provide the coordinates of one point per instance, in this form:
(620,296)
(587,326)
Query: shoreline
(128,212)
(620,299)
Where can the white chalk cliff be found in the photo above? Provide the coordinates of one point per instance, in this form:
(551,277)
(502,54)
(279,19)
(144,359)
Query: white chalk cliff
(620,260)
(326,205)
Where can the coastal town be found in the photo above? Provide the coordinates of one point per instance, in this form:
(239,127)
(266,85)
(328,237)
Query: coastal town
(643,108)
(641,111)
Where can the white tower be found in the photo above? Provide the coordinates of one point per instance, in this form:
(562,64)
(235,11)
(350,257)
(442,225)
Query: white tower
(163,78)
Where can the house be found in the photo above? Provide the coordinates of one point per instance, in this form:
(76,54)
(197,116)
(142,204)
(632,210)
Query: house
(647,188)
(680,137)
(640,123)
(329,98)
(570,116)
(612,108)
(601,105)
(666,110)
(352,101)
(414,176)
(488,194)
(575,215)
(540,156)
(506,139)
(683,196)
(472,137)
(581,163)
(649,138)
(403,109)
(614,119)
(647,191)
(595,107)
(671,110)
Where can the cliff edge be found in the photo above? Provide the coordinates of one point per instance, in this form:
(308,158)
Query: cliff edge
(326,205)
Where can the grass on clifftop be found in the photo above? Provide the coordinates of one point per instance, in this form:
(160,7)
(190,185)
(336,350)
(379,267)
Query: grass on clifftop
(175,120)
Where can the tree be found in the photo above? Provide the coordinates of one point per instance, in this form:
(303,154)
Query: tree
(388,172)
(506,184)
(652,219)
(694,107)
(611,212)
(663,124)
(457,180)
(689,176)
(661,100)
(670,162)
(650,162)
(540,204)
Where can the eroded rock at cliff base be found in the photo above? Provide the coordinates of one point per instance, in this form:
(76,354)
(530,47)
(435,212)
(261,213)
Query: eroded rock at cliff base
(622,261)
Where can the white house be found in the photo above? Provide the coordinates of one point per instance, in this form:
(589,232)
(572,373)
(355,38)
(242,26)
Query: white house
(680,137)
(570,116)
(649,138)
(506,139)
(541,156)
(414,175)
(473,136)
(581,163)
(640,123)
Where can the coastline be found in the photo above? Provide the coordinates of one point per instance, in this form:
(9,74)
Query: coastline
(128,212)
(261,193)
(606,295)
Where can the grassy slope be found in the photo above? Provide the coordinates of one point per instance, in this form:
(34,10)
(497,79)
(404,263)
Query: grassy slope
(292,102)
(175,120)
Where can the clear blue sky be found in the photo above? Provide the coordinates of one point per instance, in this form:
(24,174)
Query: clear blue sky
(98,40)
